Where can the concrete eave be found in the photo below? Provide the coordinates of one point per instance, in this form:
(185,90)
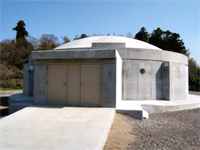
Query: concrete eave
(63,54)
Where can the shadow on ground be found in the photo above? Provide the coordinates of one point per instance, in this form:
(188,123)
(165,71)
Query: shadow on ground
(4,105)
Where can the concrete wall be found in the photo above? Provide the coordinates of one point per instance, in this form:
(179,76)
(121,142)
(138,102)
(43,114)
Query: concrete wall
(118,78)
(178,81)
(152,55)
(165,77)
(108,85)
(28,78)
(160,81)
(165,68)
(40,83)
(25,79)
(142,85)
(146,74)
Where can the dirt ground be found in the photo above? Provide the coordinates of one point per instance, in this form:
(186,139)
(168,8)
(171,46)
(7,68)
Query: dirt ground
(164,131)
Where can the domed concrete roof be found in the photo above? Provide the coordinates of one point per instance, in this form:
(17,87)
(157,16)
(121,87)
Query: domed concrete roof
(97,41)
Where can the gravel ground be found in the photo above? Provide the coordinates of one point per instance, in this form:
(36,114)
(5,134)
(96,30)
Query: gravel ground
(164,131)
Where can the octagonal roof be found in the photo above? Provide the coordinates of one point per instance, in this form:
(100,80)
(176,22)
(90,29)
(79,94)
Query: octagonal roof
(117,41)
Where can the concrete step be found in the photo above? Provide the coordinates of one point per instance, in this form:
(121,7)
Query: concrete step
(4,111)
(14,107)
(129,108)
(16,98)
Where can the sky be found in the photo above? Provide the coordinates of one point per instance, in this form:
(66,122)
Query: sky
(68,18)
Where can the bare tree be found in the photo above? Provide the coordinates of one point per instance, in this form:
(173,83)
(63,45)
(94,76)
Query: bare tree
(129,34)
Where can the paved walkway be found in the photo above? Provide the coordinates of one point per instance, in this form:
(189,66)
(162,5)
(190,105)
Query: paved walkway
(8,93)
(67,128)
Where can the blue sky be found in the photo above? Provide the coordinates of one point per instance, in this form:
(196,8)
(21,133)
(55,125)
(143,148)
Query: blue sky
(68,18)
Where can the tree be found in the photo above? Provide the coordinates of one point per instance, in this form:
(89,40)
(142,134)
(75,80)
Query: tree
(94,34)
(21,33)
(48,42)
(20,53)
(129,34)
(80,37)
(156,37)
(142,35)
(13,56)
(194,74)
(169,41)
(7,49)
(33,41)
(65,39)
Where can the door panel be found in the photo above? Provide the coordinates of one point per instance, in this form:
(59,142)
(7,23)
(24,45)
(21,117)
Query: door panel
(73,85)
(90,85)
(56,85)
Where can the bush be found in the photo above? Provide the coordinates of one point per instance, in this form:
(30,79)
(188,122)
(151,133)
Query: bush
(10,72)
(12,83)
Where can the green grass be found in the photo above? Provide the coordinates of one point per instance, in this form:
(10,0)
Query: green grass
(10,89)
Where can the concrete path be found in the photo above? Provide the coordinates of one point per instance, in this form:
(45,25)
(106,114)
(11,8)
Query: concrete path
(8,93)
(67,128)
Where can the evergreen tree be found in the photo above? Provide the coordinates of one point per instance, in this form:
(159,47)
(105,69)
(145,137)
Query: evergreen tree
(142,35)
(80,37)
(156,38)
(23,48)
(194,75)
(169,41)
(21,34)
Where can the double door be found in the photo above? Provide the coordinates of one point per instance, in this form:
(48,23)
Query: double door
(74,85)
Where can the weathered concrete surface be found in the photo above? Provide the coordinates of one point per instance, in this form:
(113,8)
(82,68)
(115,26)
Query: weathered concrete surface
(56,128)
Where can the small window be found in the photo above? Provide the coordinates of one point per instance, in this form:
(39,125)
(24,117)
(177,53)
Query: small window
(142,71)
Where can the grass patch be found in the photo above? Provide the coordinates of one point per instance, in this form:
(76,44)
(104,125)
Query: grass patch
(10,89)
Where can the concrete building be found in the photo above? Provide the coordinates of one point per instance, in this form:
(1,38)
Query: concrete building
(103,71)
(125,75)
